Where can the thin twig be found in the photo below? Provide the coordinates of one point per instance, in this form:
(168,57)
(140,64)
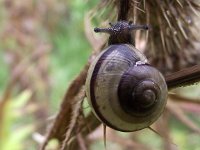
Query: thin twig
(187,104)
(180,115)
(81,142)
(183,99)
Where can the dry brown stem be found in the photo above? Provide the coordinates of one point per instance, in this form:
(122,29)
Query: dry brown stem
(74,117)
(89,124)
(63,118)
(186,76)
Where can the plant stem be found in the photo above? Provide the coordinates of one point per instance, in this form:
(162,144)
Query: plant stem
(183,77)
(124,6)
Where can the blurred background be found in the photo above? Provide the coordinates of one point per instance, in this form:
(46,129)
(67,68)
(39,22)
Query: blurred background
(43,46)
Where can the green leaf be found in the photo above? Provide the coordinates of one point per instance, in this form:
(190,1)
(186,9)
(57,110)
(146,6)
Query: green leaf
(15,140)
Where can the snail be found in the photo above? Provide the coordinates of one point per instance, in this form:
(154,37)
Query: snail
(125,92)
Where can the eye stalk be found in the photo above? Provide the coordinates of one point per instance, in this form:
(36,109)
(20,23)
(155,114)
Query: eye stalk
(120,32)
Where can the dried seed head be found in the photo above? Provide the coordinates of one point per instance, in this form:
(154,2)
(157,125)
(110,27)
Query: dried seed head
(170,43)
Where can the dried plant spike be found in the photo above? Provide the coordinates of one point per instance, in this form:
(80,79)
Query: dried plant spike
(169,140)
(74,117)
(104,135)
(174,30)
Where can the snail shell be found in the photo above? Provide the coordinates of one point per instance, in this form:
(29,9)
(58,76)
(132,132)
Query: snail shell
(124,91)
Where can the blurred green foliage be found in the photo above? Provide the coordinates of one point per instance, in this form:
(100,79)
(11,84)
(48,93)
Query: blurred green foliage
(13,131)
(70,51)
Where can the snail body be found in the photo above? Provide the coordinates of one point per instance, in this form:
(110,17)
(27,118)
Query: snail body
(124,91)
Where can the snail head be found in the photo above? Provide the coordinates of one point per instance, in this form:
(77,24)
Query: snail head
(120,32)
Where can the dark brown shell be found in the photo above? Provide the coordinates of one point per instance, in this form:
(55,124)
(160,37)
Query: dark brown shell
(102,88)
